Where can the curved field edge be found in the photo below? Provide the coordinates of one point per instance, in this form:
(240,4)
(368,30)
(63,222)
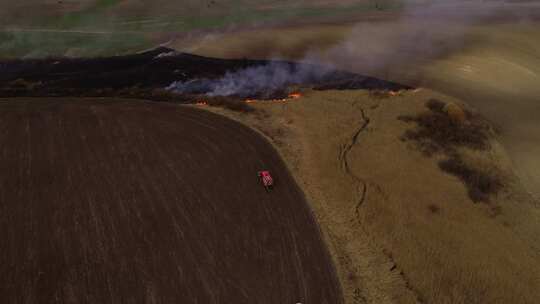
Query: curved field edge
(142,185)
(400,229)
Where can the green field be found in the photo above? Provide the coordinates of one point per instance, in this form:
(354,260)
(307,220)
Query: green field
(108,27)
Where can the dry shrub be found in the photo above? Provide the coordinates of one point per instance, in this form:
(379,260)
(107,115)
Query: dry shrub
(434,208)
(455,112)
(480,184)
(439,131)
(435,105)
(444,129)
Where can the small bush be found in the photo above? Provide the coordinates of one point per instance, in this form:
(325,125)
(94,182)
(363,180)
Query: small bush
(480,185)
(456,113)
(435,105)
(440,130)
(434,208)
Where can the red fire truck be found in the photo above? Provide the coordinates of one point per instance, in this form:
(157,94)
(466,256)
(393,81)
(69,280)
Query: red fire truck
(266,180)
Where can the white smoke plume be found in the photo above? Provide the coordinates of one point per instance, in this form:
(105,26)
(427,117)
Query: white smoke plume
(420,32)
(253,81)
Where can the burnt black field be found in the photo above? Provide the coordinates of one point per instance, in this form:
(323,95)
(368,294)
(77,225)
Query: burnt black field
(149,74)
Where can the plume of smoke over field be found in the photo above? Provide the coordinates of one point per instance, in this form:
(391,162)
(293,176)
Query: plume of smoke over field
(423,31)
(253,81)
(420,32)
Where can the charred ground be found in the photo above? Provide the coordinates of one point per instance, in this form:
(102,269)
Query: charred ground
(147,74)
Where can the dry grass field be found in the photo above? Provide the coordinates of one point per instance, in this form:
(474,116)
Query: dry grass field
(417,235)
(401,229)
(494,67)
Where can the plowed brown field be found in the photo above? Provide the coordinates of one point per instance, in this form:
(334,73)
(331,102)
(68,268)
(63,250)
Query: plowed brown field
(107,201)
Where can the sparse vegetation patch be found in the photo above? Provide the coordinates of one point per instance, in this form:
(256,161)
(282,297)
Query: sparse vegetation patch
(479,184)
(445,128)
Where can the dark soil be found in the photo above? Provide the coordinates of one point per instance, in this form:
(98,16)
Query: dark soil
(107,201)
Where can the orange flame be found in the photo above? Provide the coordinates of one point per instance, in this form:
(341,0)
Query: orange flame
(290,96)
(295,95)
(201,103)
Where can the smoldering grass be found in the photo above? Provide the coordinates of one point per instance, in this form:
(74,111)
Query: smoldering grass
(262,82)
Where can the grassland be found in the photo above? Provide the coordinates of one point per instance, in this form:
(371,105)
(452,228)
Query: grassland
(400,228)
(493,67)
(105,27)
(445,248)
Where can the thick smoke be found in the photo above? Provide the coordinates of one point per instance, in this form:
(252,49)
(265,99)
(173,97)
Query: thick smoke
(263,81)
(419,33)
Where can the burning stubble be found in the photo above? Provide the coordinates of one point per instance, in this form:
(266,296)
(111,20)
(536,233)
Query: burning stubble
(262,82)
